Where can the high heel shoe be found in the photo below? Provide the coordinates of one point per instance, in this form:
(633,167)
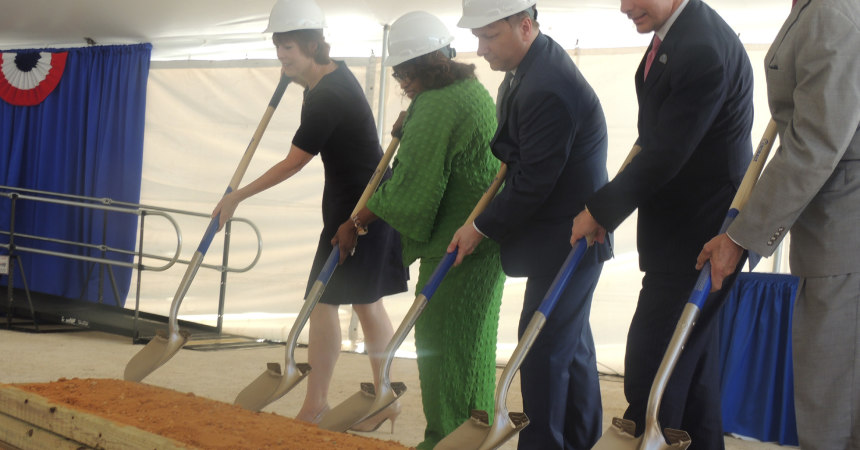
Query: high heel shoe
(320,415)
(316,420)
(373,422)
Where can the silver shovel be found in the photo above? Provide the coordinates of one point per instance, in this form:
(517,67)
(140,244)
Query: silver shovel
(620,435)
(163,346)
(366,402)
(272,384)
(476,432)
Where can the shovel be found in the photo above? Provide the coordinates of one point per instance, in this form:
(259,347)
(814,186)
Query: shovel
(163,346)
(272,384)
(476,432)
(367,402)
(620,435)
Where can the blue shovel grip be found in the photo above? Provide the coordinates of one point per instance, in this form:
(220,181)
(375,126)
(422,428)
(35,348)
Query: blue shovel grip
(703,283)
(329,266)
(563,276)
(211,230)
(439,274)
(279,91)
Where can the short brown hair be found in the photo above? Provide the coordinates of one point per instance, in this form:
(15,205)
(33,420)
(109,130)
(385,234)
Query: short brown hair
(530,12)
(434,70)
(305,39)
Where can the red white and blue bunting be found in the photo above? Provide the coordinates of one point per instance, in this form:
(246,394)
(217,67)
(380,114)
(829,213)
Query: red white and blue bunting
(27,78)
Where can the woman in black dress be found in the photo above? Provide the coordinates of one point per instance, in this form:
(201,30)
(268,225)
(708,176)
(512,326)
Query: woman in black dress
(337,124)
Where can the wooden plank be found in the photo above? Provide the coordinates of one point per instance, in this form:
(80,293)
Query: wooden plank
(88,429)
(23,435)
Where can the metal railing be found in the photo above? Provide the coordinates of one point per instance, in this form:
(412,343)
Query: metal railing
(109,254)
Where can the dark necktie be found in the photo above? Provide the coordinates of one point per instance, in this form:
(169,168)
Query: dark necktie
(503,96)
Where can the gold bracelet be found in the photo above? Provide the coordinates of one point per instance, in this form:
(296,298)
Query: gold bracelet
(359,228)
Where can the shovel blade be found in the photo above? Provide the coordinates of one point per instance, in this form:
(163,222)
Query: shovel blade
(620,436)
(476,433)
(361,405)
(271,385)
(156,352)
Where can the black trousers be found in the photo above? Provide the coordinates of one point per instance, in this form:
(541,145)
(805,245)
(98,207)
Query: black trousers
(692,398)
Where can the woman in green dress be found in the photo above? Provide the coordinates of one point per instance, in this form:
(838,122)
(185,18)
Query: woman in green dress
(441,170)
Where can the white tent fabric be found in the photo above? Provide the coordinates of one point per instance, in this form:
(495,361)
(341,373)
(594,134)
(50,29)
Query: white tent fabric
(199,119)
(213,74)
(231,30)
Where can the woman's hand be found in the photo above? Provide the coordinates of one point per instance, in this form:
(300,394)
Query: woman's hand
(226,208)
(346,239)
(397,128)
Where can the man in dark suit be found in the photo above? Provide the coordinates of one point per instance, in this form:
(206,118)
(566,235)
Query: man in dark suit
(695,118)
(552,136)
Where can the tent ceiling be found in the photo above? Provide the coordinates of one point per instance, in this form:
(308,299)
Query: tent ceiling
(229,29)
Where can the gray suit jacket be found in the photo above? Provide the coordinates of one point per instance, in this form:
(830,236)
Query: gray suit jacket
(812,184)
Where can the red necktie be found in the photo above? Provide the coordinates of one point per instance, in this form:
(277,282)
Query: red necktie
(652,54)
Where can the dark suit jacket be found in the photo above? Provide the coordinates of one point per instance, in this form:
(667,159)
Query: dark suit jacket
(552,135)
(695,119)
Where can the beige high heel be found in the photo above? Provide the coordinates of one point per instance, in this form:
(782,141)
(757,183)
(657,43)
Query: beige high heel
(316,420)
(320,415)
(373,422)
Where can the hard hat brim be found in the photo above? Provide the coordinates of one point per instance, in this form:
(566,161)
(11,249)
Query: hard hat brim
(472,23)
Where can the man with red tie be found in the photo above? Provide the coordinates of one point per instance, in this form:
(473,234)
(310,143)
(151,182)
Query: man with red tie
(694,88)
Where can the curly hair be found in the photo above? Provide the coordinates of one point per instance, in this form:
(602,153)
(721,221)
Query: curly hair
(305,39)
(434,70)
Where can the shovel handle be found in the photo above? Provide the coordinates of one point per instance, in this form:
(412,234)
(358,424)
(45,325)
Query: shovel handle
(329,266)
(448,261)
(258,134)
(439,274)
(563,276)
(246,159)
(376,177)
(703,283)
(488,194)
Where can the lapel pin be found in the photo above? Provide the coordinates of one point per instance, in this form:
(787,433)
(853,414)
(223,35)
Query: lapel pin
(663,58)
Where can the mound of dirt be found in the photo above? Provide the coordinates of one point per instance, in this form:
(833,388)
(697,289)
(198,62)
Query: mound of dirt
(196,421)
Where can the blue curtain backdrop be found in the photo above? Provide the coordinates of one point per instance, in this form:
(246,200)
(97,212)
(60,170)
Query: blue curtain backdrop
(85,138)
(755,348)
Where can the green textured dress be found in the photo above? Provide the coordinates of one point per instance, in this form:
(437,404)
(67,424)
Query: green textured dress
(441,170)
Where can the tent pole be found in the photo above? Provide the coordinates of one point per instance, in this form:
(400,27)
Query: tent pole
(382,79)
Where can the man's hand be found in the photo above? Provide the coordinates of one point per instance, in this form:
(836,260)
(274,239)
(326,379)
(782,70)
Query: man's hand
(346,239)
(724,256)
(584,225)
(465,240)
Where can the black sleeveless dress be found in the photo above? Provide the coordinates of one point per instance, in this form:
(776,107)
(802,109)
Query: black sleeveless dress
(337,124)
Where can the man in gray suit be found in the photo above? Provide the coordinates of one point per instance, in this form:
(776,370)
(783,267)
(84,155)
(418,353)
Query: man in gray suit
(812,187)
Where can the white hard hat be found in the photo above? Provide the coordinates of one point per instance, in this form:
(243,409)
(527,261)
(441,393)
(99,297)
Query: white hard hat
(290,15)
(414,34)
(479,13)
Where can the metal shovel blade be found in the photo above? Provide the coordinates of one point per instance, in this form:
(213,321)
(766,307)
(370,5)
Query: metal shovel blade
(159,350)
(619,436)
(271,385)
(366,403)
(362,405)
(477,433)
(164,345)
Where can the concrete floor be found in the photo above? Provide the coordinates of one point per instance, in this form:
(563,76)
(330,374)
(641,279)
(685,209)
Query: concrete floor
(221,374)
